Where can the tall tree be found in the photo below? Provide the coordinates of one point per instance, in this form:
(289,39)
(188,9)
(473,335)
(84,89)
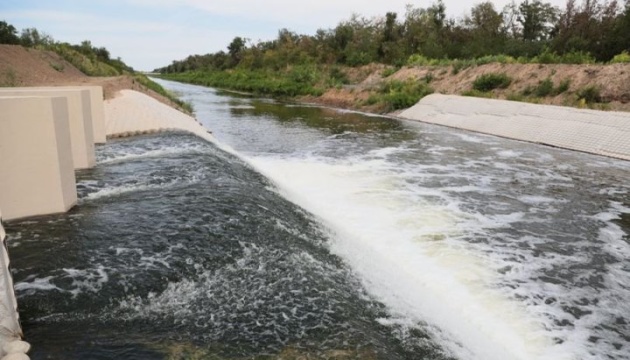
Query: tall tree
(8,34)
(537,20)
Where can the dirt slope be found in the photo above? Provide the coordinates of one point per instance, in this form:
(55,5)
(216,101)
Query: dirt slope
(613,82)
(21,66)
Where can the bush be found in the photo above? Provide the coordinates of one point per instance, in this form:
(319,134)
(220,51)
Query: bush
(622,58)
(544,88)
(563,87)
(491,81)
(573,57)
(394,95)
(590,94)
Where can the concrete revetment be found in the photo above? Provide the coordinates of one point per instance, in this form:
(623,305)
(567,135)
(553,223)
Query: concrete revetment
(36,159)
(80,120)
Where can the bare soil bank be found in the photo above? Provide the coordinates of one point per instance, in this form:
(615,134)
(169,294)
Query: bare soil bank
(612,81)
(21,66)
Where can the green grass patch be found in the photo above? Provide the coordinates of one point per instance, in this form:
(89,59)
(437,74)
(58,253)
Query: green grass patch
(152,85)
(490,81)
(590,95)
(290,83)
(623,58)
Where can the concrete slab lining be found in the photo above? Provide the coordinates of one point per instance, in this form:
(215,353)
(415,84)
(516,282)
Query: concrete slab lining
(597,132)
(37,172)
(96,103)
(10,329)
(134,113)
(80,116)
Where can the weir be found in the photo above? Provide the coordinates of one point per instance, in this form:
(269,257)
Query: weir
(134,113)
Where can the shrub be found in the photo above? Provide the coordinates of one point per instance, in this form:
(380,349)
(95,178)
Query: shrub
(544,88)
(491,81)
(563,87)
(590,94)
(622,58)
(400,94)
(389,72)
(573,57)
(338,76)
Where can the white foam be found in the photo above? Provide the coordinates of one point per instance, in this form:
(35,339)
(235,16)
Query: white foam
(36,284)
(403,247)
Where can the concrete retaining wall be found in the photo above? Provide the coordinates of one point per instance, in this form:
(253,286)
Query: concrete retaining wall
(36,159)
(80,116)
(96,103)
(597,132)
(10,329)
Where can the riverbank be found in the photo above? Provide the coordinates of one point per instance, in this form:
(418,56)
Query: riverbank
(595,86)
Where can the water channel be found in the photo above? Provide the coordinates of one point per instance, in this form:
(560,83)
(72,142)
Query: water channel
(309,231)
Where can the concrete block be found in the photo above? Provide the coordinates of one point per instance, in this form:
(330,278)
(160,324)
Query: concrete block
(36,163)
(80,118)
(96,103)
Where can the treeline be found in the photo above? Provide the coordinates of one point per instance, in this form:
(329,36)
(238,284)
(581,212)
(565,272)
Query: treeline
(91,60)
(592,31)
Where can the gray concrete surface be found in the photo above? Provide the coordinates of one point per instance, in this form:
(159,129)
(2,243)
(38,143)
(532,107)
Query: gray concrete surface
(598,132)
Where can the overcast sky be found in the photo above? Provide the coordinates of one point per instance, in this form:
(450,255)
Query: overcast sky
(148,34)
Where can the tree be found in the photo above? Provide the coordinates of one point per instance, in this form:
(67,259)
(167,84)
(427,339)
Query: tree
(8,34)
(31,37)
(537,19)
(389,50)
(235,49)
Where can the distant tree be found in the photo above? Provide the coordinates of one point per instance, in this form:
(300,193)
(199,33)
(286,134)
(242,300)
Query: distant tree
(31,37)
(8,34)
(390,50)
(487,34)
(235,49)
(537,20)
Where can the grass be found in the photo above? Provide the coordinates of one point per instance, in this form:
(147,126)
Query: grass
(490,81)
(9,78)
(547,88)
(88,66)
(259,82)
(590,95)
(149,84)
(395,94)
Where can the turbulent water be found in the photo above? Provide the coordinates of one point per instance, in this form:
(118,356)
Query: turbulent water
(312,232)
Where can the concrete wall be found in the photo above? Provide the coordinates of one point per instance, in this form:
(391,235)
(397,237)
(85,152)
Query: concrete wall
(80,116)
(36,162)
(597,132)
(96,102)
(9,318)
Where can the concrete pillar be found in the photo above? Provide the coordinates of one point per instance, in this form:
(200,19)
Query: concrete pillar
(96,102)
(80,117)
(36,164)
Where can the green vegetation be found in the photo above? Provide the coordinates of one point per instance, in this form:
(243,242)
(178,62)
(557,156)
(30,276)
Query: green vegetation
(152,85)
(547,88)
(395,94)
(622,58)
(91,60)
(531,31)
(590,95)
(490,81)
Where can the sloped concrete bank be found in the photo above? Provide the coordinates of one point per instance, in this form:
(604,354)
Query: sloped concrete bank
(134,113)
(596,132)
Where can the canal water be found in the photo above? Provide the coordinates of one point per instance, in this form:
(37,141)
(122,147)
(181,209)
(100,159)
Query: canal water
(308,232)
